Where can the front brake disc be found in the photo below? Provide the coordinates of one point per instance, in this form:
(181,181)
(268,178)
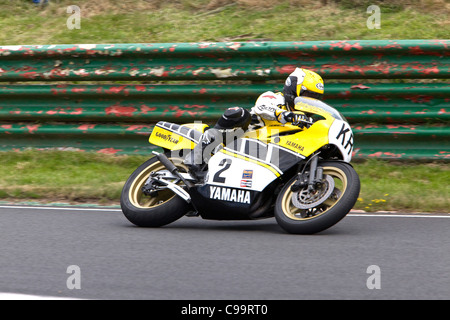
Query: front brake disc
(307,199)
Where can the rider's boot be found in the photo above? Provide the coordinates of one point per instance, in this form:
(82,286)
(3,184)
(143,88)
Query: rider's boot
(197,159)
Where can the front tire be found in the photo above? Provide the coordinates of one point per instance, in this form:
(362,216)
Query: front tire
(340,200)
(151,211)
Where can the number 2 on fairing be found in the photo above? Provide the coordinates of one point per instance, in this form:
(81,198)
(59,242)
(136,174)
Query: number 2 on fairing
(217,177)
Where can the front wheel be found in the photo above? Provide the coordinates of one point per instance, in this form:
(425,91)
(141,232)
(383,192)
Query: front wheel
(151,210)
(309,212)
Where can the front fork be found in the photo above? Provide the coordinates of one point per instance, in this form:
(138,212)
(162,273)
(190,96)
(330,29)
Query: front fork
(313,180)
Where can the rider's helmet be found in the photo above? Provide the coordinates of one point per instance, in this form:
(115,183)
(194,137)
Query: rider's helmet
(302,82)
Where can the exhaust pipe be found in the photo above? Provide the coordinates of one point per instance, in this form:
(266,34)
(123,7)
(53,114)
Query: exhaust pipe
(174,170)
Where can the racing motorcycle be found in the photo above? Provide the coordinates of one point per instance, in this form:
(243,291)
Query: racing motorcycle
(302,176)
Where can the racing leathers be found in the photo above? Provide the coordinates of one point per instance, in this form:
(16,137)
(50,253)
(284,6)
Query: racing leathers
(271,107)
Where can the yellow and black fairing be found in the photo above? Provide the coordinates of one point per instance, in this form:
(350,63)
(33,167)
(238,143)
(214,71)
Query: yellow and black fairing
(276,152)
(330,132)
(244,175)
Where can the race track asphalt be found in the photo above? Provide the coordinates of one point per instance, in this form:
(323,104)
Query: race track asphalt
(362,257)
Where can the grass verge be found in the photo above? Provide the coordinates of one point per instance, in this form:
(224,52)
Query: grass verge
(64,176)
(78,177)
(141,21)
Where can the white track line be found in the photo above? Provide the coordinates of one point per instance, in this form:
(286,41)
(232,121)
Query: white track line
(392,215)
(60,208)
(388,215)
(18,296)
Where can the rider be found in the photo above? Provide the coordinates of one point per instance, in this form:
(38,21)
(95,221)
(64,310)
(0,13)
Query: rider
(279,106)
(268,107)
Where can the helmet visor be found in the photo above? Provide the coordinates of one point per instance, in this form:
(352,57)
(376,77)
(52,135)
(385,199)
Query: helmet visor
(312,94)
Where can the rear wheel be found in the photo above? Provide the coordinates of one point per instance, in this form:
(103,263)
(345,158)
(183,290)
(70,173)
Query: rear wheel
(155,209)
(308,212)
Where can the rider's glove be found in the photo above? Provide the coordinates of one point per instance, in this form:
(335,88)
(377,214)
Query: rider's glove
(296,119)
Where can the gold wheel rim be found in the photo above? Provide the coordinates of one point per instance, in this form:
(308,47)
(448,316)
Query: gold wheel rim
(295,213)
(139,199)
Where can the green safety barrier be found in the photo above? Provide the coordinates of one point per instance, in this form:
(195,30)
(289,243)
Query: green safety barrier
(233,60)
(106,98)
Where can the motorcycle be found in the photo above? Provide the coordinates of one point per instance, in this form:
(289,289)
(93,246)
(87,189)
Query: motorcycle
(302,176)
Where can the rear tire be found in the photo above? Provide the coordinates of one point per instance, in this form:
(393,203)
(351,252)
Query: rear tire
(326,214)
(147,211)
